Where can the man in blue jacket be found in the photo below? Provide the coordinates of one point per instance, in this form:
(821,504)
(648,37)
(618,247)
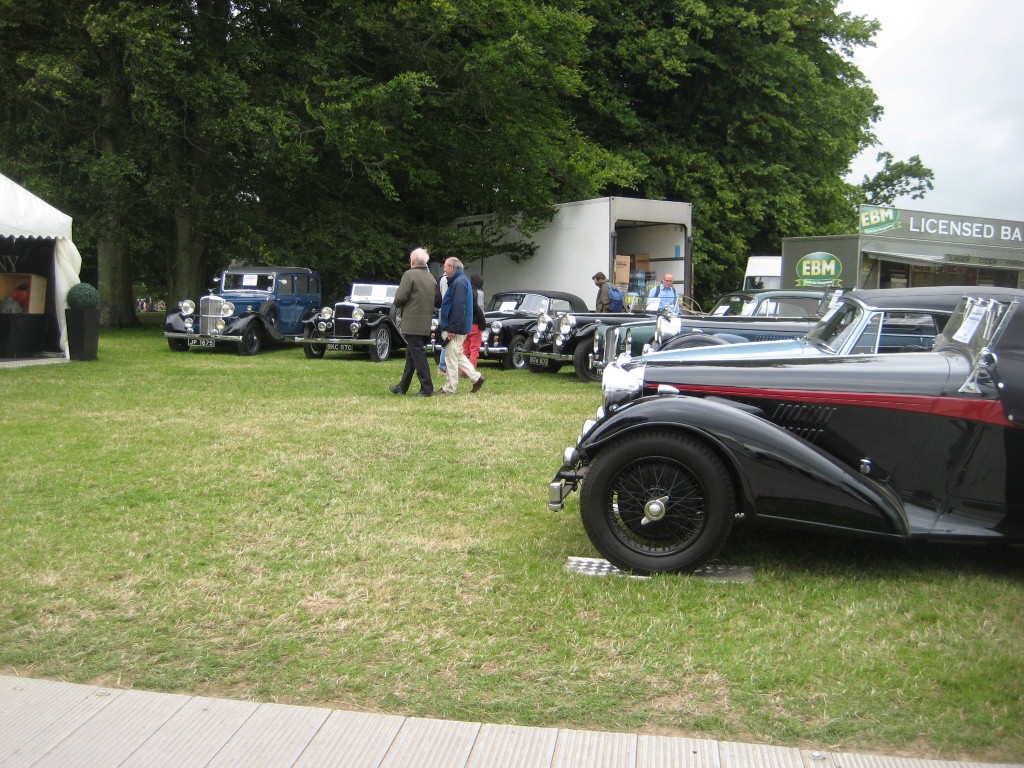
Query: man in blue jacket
(455,323)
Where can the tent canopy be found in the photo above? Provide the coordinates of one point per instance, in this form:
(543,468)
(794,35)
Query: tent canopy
(23,215)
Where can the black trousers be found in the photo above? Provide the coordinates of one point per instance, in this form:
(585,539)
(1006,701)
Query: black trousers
(416,360)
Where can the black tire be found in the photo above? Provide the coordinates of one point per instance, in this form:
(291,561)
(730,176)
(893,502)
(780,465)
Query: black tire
(692,340)
(514,359)
(581,361)
(177,345)
(313,351)
(380,350)
(252,340)
(622,491)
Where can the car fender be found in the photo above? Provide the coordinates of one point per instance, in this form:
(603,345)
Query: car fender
(779,475)
(239,326)
(175,323)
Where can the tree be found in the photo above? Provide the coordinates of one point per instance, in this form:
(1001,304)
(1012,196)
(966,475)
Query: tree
(752,112)
(897,179)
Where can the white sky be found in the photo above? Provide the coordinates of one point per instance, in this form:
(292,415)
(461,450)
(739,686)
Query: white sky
(950,76)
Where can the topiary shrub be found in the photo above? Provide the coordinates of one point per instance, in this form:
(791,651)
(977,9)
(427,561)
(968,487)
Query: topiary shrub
(83,296)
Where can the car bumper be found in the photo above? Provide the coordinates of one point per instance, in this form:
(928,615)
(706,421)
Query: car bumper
(560,357)
(202,340)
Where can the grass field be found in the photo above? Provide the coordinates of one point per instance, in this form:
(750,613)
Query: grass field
(285,529)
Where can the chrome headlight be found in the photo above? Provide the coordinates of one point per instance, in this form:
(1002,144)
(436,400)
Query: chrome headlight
(496,326)
(188,323)
(667,327)
(354,327)
(326,313)
(619,385)
(187,306)
(543,321)
(565,324)
(227,309)
(357,314)
(321,326)
(220,325)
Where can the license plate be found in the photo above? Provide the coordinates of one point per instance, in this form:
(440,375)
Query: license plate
(202,343)
(541,361)
(335,347)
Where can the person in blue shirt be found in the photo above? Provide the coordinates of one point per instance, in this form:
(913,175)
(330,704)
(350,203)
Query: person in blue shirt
(454,324)
(663,296)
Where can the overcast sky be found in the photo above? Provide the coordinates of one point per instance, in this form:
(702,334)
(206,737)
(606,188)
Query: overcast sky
(949,75)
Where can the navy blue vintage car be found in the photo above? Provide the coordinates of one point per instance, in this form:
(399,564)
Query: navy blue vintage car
(912,445)
(247,307)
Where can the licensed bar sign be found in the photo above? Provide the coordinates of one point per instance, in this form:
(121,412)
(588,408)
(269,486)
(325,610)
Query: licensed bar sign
(939,227)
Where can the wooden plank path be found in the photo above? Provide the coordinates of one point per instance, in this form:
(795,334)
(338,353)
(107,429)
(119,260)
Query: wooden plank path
(44,723)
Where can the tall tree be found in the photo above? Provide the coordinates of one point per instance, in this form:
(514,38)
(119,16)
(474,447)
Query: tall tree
(752,111)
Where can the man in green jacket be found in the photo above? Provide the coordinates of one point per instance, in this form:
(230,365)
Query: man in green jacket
(415,297)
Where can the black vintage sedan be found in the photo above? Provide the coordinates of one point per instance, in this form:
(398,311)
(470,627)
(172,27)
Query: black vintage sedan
(511,320)
(909,445)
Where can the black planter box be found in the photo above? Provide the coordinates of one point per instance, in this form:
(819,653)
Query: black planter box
(22,334)
(83,333)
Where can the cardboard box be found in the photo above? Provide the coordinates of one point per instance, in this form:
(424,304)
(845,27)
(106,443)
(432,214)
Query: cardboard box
(640,262)
(622,267)
(29,290)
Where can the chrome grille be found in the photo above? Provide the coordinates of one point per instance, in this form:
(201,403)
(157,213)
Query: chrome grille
(209,313)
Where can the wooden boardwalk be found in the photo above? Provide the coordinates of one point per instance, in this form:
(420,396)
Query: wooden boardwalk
(44,723)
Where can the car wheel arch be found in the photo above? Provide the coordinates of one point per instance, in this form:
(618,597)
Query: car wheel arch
(741,488)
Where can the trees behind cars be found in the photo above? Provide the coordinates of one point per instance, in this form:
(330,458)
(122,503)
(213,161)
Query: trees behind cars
(187,134)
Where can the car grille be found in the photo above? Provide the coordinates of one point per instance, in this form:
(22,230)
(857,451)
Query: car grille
(209,313)
(343,320)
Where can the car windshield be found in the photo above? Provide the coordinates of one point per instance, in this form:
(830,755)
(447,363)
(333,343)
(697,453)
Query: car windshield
(531,303)
(834,330)
(247,281)
(735,305)
(371,293)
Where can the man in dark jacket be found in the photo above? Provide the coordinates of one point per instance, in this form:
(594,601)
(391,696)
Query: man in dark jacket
(604,299)
(455,323)
(415,297)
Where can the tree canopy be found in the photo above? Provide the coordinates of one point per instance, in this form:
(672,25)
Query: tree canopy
(183,136)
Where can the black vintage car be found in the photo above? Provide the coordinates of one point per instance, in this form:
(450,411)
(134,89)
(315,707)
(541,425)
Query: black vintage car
(366,319)
(569,338)
(511,319)
(908,445)
(247,306)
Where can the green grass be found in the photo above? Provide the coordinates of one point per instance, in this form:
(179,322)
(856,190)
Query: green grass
(285,529)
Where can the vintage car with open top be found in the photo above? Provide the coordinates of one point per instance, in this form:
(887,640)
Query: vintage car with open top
(365,320)
(916,445)
(247,306)
(740,316)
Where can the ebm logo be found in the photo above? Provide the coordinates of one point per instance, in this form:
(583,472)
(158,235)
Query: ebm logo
(819,268)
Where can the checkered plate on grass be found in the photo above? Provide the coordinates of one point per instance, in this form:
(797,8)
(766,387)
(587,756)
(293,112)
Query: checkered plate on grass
(594,566)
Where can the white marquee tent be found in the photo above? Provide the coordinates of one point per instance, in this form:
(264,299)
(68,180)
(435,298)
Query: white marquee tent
(23,215)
